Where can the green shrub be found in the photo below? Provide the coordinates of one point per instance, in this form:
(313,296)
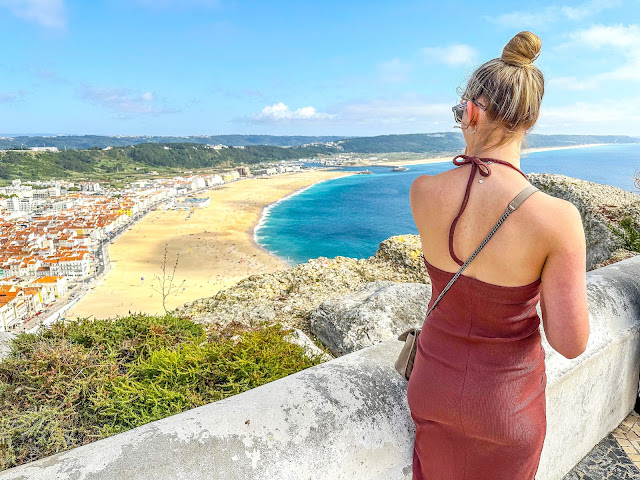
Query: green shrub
(75,383)
(628,232)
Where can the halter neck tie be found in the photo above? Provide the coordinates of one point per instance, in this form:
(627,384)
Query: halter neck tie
(482,167)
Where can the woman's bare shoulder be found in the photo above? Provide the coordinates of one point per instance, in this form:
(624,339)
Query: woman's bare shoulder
(555,204)
(427,184)
(420,185)
(557,215)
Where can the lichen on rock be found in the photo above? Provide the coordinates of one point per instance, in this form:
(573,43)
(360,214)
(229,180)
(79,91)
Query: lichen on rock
(5,343)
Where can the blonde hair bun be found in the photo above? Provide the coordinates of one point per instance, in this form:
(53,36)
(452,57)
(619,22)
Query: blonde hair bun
(522,49)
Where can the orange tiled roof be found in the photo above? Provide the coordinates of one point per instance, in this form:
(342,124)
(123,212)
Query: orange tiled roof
(49,279)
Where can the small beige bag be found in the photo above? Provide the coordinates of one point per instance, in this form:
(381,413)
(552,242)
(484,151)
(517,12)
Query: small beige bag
(404,363)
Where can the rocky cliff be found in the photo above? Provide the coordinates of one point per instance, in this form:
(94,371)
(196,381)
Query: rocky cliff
(290,295)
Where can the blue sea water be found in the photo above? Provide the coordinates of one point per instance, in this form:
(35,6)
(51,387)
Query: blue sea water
(350,216)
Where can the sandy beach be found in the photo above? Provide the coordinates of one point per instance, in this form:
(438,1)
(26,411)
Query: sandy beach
(549,149)
(525,151)
(215,243)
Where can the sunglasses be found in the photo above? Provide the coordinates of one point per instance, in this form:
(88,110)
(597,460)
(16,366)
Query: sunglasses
(458,110)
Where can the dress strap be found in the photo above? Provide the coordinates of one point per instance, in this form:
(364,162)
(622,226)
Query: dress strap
(477,164)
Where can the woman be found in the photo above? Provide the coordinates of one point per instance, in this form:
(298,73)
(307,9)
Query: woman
(477,390)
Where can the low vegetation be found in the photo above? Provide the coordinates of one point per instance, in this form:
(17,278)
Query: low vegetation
(78,382)
(629,232)
(122,162)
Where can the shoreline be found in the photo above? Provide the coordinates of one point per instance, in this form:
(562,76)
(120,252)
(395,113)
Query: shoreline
(252,231)
(216,247)
(442,159)
(567,147)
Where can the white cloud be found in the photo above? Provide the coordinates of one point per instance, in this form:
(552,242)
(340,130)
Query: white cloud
(48,13)
(551,14)
(452,55)
(46,72)
(525,19)
(590,118)
(400,114)
(598,36)
(395,71)
(122,100)
(413,112)
(573,83)
(619,39)
(408,108)
(587,9)
(279,112)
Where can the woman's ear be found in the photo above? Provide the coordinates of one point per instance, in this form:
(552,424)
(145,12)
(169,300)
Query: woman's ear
(471,113)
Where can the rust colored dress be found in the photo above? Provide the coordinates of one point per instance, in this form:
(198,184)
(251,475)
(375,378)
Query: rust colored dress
(477,389)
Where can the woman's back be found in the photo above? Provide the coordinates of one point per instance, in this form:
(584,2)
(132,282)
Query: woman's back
(543,239)
(515,254)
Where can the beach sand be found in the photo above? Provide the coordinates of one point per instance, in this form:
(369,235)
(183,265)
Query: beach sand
(549,149)
(450,158)
(215,243)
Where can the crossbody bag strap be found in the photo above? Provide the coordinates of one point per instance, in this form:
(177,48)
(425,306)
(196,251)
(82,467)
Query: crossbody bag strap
(512,207)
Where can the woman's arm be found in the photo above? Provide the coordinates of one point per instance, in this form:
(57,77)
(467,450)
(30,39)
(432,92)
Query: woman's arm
(563,298)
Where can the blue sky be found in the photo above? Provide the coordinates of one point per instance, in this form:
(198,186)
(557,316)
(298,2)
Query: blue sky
(205,67)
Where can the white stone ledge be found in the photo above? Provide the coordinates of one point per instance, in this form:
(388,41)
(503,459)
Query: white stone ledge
(348,418)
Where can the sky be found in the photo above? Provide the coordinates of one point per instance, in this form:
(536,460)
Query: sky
(349,67)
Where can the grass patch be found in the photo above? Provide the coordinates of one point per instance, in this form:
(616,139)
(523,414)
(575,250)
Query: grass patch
(629,232)
(78,382)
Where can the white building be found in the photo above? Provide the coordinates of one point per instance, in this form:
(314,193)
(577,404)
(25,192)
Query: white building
(214,180)
(13,309)
(197,183)
(55,287)
(44,149)
(77,265)
(18,205)
(265,171)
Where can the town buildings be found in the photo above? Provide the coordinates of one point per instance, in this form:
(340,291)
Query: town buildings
(52,233)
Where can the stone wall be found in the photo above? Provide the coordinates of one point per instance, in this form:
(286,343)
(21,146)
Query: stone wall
(348,418)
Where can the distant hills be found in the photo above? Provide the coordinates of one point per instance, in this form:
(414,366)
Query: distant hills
(118,163)
(436,143)
(81,142)
(414,143)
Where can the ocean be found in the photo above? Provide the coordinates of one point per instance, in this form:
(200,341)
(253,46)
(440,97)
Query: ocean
(350,216)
